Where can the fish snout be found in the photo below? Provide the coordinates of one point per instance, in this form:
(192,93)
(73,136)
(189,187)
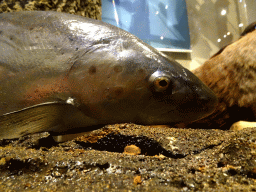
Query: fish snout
(205,99)
(208,101)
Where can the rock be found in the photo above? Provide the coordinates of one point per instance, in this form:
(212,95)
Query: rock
(242,125)
(87,8)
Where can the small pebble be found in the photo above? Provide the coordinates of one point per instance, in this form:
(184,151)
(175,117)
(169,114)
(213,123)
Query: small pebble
(137,180)
(2,161)
(132,150)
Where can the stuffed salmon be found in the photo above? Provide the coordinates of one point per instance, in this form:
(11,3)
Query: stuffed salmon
(62,72)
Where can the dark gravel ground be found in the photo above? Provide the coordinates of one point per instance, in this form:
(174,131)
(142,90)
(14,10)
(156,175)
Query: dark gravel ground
(169,160)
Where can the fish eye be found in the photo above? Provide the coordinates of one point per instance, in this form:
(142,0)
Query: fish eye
(160,81)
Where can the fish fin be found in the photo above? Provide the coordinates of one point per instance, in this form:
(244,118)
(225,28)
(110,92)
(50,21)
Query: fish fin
(38,118)
(52,117)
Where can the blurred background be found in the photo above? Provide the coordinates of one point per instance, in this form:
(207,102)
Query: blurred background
(189,31)
(162,24)
(214,24)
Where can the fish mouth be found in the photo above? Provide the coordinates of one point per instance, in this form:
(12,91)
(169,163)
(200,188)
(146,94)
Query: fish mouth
(174,116)
(189,111)
(189,108)
(193,111)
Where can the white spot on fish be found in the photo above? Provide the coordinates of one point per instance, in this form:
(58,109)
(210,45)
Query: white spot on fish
(70,101)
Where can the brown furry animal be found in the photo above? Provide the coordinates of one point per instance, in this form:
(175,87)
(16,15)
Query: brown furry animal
(231,74)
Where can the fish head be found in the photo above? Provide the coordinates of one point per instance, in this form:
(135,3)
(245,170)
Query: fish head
(136,83)
(177,95)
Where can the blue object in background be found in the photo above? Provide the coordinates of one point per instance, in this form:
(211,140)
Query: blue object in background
(159,23)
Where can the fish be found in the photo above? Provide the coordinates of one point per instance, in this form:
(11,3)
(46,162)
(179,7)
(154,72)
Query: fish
(60,73)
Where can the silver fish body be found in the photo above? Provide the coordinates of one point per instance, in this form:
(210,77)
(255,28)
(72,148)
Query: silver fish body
(59,72)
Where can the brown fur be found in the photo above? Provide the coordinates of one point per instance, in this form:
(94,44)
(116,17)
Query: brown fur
(231,74)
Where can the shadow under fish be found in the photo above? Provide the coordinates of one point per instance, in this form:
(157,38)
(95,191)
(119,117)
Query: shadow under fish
(60,73)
